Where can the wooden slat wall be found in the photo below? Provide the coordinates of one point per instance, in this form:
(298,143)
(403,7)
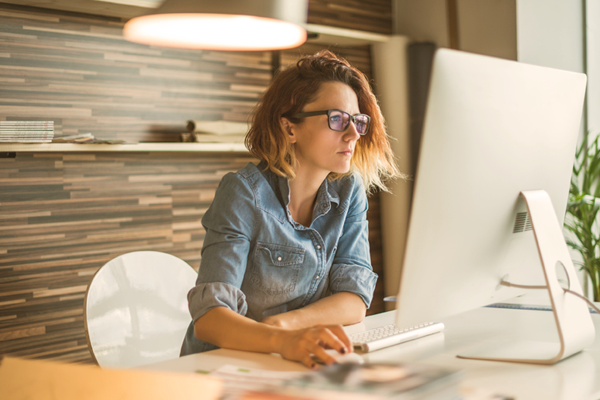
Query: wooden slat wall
(78,70)
(362,15)
(62,216)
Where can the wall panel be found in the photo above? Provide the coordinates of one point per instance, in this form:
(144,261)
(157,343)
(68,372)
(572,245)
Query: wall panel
(77,70)
(362,15)
(63,216)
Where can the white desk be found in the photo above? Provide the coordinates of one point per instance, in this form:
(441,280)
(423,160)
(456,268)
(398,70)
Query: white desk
(577,377)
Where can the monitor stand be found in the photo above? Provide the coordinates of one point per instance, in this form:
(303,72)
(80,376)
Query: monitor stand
(572,316)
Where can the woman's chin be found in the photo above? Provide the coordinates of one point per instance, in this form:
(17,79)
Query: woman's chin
(342,169)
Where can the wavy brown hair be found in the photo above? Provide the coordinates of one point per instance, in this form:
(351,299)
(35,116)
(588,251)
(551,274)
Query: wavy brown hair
(296,86)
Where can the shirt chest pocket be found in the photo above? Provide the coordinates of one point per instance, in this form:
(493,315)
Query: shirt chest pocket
(276,267)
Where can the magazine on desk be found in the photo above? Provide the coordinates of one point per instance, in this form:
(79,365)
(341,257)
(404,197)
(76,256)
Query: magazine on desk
(370,381)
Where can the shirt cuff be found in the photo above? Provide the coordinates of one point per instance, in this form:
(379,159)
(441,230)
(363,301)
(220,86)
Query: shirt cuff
(354,279)
(206,296)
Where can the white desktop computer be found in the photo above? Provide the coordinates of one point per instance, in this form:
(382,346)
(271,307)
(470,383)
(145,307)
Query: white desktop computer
(490,195)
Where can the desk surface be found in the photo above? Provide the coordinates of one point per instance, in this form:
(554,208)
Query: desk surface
(577,377)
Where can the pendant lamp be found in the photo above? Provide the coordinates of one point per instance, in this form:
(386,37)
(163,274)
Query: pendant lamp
(236,25)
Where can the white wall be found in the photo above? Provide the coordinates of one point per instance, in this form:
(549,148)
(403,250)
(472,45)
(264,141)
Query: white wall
(550,33)
(390,75)
(593,66)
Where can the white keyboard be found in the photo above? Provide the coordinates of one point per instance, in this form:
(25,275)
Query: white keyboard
(385,336)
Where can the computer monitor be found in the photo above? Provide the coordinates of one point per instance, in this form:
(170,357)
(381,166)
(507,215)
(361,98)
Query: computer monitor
(494,128)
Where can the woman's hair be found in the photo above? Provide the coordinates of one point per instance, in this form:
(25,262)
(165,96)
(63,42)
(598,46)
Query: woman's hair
(296,86)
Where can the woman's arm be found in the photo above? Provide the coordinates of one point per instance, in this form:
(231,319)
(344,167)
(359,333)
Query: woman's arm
(343,308)
(227,329)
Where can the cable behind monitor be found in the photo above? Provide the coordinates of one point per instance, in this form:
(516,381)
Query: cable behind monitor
(516,285)
(573,320)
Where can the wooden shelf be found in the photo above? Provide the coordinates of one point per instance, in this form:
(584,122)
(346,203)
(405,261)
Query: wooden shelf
(344,37)
(139,147)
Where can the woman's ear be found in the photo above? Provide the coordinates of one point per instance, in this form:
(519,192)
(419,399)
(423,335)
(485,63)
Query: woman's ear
(288,126)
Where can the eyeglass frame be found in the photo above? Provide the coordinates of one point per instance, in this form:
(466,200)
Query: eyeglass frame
(328,112)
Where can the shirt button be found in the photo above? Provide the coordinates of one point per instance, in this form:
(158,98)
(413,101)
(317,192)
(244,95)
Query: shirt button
(279,258)
(319,247)
(318,276)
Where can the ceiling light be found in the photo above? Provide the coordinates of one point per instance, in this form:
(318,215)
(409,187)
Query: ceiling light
(237,25)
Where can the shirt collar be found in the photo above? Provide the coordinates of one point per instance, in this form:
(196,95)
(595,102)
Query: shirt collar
(325,195)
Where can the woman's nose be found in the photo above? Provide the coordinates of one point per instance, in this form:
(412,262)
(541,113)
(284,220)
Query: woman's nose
(351,133)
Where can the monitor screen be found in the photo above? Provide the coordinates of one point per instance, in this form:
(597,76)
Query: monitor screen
(492,129)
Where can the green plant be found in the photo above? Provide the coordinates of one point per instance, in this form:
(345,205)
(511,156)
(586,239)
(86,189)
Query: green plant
(583,208)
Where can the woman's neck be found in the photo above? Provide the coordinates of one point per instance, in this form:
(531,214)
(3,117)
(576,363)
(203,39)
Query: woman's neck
(303,194)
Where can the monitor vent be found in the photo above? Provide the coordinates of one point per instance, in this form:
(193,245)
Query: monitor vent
(522,222)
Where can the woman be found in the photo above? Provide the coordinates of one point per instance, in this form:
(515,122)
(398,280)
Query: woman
(285,261)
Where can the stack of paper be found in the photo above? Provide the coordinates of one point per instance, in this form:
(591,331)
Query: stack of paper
(369,381)
(26,131)
(241,380)
(86,138)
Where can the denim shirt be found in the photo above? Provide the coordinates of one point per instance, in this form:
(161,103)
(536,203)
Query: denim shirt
(257,261)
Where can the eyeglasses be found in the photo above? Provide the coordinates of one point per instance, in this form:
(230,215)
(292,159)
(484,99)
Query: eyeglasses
(339,120)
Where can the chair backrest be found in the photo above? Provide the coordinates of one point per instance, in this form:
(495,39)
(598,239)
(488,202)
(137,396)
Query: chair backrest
(136,309)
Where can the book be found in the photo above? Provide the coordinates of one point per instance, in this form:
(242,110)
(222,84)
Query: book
(86,138)
(79,138)
(26,133)
(217,127)
(29,134)
(210,138)
(26,129)
(26,124)
(24,140)
(369,381)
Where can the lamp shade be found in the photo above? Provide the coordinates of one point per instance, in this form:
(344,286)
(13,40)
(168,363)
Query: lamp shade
(237,25)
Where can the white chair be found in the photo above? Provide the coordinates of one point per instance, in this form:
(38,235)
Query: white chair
(136,309)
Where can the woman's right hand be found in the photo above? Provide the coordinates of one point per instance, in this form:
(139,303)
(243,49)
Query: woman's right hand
(298,345)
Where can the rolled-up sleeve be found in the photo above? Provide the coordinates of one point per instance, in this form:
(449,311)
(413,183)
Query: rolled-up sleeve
(351,270)
(228,223)
(358,280)
(206,296)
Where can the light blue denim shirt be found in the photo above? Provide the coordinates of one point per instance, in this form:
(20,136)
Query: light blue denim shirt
(257,261)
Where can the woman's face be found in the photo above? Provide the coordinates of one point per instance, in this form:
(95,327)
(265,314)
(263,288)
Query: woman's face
(319,149)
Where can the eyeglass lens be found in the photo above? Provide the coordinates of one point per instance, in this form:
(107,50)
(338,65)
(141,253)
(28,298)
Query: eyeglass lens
(339,120)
